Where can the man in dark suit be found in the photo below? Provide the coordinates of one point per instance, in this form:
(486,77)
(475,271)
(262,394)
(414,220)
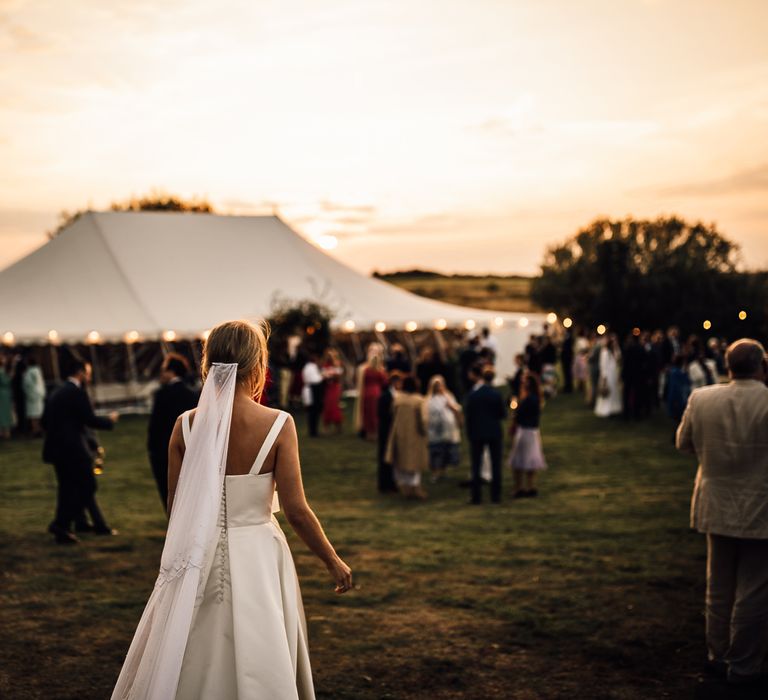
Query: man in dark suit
(484,410)
(172,399)
(386,480)
(68,415)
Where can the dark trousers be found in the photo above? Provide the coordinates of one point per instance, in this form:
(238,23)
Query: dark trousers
(567,364)
(386,477)
(76,493)
(737,604)
(159,462)
(494,447)
(315,410)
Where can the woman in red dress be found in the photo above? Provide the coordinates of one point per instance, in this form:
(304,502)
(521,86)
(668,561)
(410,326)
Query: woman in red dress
(332,371)
(374,379)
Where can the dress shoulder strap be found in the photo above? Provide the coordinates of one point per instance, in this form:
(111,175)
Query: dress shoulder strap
(185,429)
(274,431)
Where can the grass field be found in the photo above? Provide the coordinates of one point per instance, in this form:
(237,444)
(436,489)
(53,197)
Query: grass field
(496,293)
(592,591)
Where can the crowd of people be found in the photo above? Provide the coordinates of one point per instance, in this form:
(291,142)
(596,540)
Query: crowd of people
(22,396)
(416,406)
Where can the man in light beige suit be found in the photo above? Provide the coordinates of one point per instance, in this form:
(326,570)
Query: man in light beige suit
(726,426)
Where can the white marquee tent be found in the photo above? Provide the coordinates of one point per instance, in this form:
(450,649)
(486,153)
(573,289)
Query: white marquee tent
(118,276)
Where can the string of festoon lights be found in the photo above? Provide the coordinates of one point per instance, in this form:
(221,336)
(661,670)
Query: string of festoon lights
(349,326)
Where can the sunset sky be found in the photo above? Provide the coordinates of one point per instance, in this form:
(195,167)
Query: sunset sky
(452,135)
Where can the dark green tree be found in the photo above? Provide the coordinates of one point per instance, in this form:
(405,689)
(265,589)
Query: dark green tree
(651,273)
(307,319)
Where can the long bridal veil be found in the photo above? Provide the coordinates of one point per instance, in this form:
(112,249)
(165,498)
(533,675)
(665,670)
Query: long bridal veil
(153,664)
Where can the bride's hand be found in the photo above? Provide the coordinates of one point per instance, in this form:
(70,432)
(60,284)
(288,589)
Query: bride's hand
(341,574)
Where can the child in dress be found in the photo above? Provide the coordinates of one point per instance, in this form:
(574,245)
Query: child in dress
(527,456)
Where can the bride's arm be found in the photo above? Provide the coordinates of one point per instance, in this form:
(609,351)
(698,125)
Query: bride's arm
(297,510)
(175,457)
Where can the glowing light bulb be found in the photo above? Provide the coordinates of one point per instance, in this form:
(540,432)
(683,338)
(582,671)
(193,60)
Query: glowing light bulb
(8,338)
(706,325)
(53,336)
(742,315)
(411,326)
(169,336)
(523,322)
(380,326)
(206,334)
(131,336)
(567,322)
(441,324)
(551,317)
(94,337)
(498,322)
(349,326)
(469,324)
(601,329)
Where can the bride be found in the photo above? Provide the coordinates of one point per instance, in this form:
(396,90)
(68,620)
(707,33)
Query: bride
(225,620)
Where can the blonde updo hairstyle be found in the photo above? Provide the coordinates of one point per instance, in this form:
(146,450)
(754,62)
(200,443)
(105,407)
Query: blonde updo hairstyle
(243,343)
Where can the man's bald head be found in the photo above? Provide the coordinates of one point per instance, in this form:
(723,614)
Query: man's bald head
(746,359)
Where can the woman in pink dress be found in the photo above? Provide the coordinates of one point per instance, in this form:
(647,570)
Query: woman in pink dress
(332,371)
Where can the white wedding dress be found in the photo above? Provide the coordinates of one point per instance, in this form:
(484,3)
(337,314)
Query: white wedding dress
(224,620)
(248,638)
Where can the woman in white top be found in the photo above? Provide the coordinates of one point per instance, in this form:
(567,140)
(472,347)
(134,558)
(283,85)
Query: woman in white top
(443,433)
(225,619)
(34,394)
(608,388)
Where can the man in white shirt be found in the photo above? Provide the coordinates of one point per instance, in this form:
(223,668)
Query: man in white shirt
(312,393)
(726,425)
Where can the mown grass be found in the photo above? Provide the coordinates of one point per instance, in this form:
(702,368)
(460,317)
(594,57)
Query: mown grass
(497,293)
(594,590)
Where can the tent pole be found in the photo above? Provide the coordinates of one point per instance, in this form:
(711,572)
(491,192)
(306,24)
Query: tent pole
(133,373)
(411,346)
(440,342)
(55,362)
(359,356)
(96,375)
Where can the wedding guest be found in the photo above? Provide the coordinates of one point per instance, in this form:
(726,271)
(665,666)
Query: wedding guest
(33,385)
(593,363)
(374,379)
(516,383)
(332,371)
(386,478)
(468,359)
(6,399)
(726,426)
(489,342)
(312,392)
(527,456)
(362,410)
(671,346)
(566,361)
(581,370)
(443,432)
(484,410)
(702,371)
(609,392)
(633,373)
(677,389)
(19,397)
(407,445)
(169,402)
(68,415)
(534,359)
(398,361)
(428,366)
(548,356)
